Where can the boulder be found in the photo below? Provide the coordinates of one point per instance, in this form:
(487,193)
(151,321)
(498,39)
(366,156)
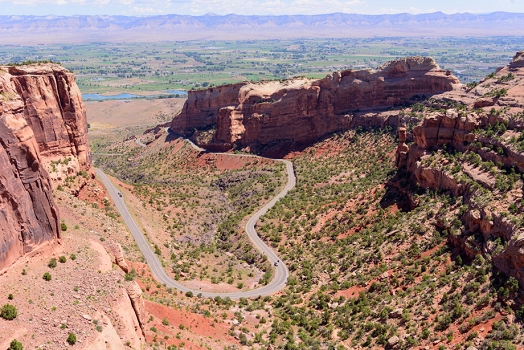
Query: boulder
(117,254)
(397,313)
(393,342)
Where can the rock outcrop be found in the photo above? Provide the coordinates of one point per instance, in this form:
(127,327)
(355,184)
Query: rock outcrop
(42,120)
(474,151)
(518,60)
(117,254)
(53,109)
(250,115)
(28,213)
(135,295)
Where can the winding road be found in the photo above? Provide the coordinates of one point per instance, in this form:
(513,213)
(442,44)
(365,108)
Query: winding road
(281,271)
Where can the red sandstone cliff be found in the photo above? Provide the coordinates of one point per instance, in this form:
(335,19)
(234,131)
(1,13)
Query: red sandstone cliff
(42,119)
(55,112)
(303,110)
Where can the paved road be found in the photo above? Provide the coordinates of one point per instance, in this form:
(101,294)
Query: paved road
(281,273)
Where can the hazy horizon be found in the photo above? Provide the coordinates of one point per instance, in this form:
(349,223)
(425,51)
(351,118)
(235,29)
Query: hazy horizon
(258,15)
(251,7)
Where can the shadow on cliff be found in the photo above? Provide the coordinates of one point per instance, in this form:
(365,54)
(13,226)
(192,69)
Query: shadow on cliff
(399,191)
(275,150)
(282,149)
(171,136)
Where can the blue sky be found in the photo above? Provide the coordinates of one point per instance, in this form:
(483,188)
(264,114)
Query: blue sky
(250,7)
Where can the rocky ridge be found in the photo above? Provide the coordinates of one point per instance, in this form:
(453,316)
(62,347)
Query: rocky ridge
(42,126)
(472,147)
(300,111)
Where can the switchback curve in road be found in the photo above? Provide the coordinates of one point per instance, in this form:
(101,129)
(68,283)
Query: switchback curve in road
(281,271)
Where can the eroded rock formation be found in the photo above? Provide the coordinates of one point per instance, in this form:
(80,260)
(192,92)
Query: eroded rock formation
(302,110)
(117,255)
(53,109)
(28,213)
(473,150)
(135,295)
(42,120)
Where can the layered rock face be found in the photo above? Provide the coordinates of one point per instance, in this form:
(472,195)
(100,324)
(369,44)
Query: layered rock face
(42,119)
(475,151)
(28,214)
(456,127)
(53,109)
(302,110)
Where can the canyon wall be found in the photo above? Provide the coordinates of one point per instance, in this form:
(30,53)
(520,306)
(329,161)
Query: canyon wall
(55,112)
(42,120)
(474,150)
(250,115)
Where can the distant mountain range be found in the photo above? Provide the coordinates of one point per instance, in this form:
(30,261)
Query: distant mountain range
(66,29)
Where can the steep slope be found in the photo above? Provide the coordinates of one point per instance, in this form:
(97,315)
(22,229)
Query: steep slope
(42,125)
(473,148)
(53,108)
(28,214)
(301,111)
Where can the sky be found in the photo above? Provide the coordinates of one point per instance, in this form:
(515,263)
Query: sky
(250,7)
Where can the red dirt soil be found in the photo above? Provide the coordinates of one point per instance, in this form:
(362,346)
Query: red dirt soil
(198,324)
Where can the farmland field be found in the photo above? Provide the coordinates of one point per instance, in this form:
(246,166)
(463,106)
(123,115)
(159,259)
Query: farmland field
(148,68)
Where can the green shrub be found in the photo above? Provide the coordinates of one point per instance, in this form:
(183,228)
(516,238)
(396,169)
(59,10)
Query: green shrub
(62,259)
(8,312)
(189,294)
(131,275)
(72,257)
(63,226)
(10,297)
(16,345)
(47,276)
(71,339)
(52,263)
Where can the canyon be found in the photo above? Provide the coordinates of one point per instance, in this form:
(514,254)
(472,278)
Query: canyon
(449,117)
(463,143)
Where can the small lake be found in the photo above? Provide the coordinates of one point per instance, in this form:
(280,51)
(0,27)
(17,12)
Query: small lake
(176,92)
(98,97)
